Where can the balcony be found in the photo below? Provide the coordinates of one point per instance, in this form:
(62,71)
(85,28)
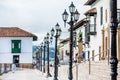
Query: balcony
(87,37)
(91,29)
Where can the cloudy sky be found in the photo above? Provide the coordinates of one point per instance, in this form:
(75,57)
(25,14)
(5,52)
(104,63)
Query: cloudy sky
(37,16)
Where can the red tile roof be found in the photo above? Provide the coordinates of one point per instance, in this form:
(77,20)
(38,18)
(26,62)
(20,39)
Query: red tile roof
(15,32)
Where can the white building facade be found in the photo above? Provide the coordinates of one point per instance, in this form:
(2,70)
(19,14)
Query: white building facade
(93,34)
(96,30)
(16,46)
(99,22)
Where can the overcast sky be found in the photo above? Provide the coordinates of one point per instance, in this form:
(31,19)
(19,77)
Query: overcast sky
(36,16)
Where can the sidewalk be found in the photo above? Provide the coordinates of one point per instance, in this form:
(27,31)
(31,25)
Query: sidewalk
(24,74)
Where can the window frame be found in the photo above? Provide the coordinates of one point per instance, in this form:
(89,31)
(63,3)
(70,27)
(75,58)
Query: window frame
(101,15)
(90,26)
(15,46)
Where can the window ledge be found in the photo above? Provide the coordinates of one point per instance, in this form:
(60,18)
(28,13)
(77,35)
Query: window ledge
(92,33)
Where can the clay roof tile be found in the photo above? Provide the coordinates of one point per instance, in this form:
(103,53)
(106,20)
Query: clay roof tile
(15,32)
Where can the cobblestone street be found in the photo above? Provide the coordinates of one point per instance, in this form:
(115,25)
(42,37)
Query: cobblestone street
(24,74)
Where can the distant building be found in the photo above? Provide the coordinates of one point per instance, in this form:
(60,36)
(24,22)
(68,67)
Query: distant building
(16,46)
(64,50)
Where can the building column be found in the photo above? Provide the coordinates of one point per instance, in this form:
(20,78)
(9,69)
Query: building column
(93,55)
(118,44)
(103,38)
(80,48)
(108,41)
(106,47)
(99,53)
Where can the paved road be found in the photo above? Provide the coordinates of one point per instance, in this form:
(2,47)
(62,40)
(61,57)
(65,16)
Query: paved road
(24,74)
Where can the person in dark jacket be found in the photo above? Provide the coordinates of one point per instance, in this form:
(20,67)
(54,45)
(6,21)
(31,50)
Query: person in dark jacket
(83,55)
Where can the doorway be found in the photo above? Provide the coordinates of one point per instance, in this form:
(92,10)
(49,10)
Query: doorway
(16,60)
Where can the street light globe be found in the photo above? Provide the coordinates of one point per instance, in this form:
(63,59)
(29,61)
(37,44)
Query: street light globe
(76,15)
(72,8)
(52,32)
(57,26)
(48,35)
(59,32)
(65,16)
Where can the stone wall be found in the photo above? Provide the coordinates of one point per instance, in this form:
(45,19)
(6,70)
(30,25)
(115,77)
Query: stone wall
(25,65)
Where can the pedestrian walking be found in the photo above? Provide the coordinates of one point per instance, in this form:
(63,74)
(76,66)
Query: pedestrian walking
(13,68)
(83,55)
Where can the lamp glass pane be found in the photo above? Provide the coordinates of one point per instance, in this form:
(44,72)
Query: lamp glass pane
(59,32)
(48,35)
(76,15)
(57,26)
(92,28)
(65,16)
(51,39)
(52,31)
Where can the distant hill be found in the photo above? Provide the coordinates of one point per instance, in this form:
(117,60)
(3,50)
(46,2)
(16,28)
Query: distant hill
(51,51)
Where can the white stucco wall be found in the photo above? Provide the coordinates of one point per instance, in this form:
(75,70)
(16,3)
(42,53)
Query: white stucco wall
(26,49)
(96,40)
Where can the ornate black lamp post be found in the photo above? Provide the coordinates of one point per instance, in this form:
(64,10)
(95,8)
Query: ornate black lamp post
(38,58)
(48,41)
(41,56)
(74,17)
(113,25)
(44,55)
(57,35)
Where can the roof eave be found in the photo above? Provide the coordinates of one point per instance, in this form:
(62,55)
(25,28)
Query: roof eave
(89,2)
(79,24)
(65,40)
(91,12)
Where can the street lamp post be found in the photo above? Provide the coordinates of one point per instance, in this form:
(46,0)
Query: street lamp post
(38,58)
(44,55)
(74,17)
(57,35)
(41,56)
(48,70)
(113,25)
